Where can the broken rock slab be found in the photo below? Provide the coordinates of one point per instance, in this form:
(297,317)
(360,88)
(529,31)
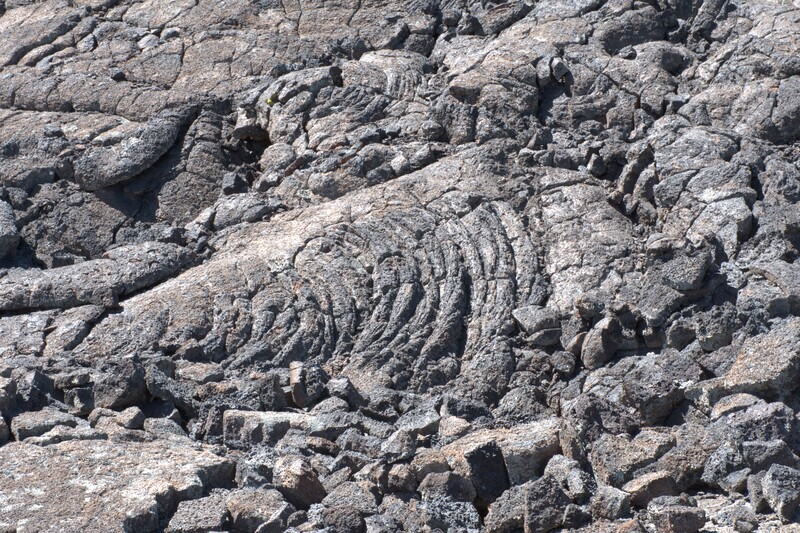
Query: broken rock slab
(201,515)
(244,429)
(781,487)
(768,365)
(525,448)
(101,485)
(253,509)
(36,423)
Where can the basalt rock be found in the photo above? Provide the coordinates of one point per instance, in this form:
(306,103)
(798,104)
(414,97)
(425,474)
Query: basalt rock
(399,265)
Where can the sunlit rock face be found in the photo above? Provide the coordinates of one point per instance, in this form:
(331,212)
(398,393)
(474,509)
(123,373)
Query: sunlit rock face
(399,265)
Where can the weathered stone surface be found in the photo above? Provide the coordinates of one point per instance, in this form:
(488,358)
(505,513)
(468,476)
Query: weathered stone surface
(381,255)
(507,513)
(298,482)
(353,494)
(545,504)
(648,486)
(120,272)
(429,461)
(447,484)
(766,365)
(525,448)
(5,432)
(610,503)
(243,429)
(36,423)
(601,342)
(615,458)
(250,509)
(109,491)
(781,489)
(655,386)
(198,516)
(675,515)
(131,418)
(9,235)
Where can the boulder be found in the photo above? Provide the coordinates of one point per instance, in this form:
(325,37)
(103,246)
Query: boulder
(767,365)
(133,499)
(251,509)
(507,513)
(545,504)
(649,486)
(298,482)
(525,449)
(601,342)
(610,503)
(36,423)
(357,495)
(675,515)
(447,484)
(198,516)
(781,489)
(245,429)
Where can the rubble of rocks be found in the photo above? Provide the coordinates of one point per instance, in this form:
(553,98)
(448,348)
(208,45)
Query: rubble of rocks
(400,265)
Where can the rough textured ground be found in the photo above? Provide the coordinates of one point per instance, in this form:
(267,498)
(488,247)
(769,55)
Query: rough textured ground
(399,265)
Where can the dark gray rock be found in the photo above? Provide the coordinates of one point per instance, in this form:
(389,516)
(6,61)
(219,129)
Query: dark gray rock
(760,455)
(390,246)
(344,518)
(101,167)
(646,487)
(355,495)
(5,432)
(9,235)
(484,467)
(654,386)
(545,504)
(507,513)
(672,515)
(781,489)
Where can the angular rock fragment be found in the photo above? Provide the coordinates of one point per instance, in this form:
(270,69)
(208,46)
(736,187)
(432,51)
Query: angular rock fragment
(357,495)
(673,515)
(649,486)
(5,432)
(545,504)
(298,482)
(781,489)
(755,373)
(610,503)
(601,342)
(251,509)
(655,386)
(449,485)
(195,516)
(36,423)
(244,429)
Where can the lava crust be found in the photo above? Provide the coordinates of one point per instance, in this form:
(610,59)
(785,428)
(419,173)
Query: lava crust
(399,265)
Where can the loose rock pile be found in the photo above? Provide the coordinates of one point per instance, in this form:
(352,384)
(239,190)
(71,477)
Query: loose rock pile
(399,265)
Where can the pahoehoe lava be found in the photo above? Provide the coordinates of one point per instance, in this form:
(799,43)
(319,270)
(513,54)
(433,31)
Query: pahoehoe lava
(399,265)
